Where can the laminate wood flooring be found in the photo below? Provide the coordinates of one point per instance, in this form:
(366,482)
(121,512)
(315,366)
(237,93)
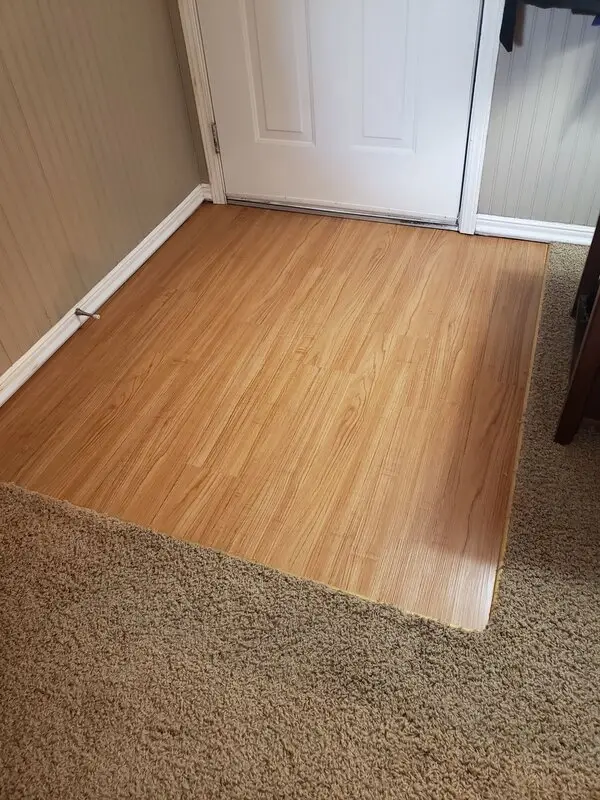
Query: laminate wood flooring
(338,399)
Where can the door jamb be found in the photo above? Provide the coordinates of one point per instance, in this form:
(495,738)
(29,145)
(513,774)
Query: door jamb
(483,88)
(190,23)
(485,72)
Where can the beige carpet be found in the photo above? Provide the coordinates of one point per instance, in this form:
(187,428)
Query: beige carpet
(134,665)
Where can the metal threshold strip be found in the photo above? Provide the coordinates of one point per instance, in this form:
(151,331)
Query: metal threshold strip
(370,216)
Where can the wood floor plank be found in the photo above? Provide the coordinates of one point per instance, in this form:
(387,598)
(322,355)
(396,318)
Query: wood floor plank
(335,398)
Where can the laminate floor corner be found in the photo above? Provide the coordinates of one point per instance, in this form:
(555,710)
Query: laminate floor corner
(335,398)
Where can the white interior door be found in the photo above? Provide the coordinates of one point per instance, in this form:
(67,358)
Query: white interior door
(360,105)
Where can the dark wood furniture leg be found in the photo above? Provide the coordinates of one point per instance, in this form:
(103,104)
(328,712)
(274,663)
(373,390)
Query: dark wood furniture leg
(591,270)
(583,377)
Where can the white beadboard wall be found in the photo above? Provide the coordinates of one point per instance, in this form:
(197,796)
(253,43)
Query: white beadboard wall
(543,150)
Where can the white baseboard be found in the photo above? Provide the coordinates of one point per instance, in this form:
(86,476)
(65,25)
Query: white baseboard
(32,360)
(533,230)
(206,191)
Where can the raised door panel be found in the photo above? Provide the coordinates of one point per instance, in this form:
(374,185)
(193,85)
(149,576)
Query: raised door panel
(390,32)
(278,66)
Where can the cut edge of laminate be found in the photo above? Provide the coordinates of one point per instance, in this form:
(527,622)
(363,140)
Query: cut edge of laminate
(37,355)
(517,458)
(61,501)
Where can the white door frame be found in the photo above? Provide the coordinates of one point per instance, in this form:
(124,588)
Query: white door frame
(485,70)
(483,88)
(190,23)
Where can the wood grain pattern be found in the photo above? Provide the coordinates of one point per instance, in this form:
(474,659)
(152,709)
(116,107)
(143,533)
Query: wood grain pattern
(336,398)
(95,150)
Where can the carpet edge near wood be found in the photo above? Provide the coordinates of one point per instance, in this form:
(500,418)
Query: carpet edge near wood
(135,665)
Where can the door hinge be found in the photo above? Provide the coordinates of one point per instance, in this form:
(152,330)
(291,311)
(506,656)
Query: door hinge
(215,135)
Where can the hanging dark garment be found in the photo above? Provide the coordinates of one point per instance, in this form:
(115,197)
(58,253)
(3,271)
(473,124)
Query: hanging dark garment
(509,19)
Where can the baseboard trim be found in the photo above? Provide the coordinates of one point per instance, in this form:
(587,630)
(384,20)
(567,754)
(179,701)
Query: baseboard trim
(206,191)
(40,352)
(533,230)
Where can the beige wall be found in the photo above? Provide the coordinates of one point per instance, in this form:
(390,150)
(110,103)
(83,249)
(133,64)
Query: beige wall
(95,149)
(188,88)
(542,157)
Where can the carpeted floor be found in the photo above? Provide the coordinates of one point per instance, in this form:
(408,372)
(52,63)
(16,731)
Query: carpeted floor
(134,665)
